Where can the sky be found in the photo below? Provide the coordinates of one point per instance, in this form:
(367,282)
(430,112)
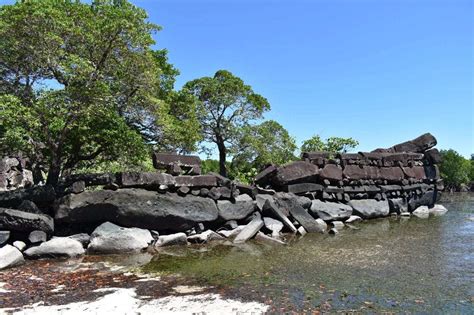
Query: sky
(379,71)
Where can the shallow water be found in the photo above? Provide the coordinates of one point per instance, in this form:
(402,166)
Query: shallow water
(396,265)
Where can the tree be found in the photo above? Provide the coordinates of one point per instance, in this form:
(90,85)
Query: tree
(332,144)
(87,83)
(260,145)
(454,168)
(226,104)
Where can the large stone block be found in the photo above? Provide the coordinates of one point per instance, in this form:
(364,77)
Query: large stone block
(196,181)
(432,172)
(264,177)
(145,179)
(419,145)
(136,208)
(417,172)
(163,160)
(303,188)
(433,156)
(361,172)
(296,172)
(370,208)
(40,195)
(426,199)
(329,211)
(331,172)
(238,210)
(16,220)
(393,174)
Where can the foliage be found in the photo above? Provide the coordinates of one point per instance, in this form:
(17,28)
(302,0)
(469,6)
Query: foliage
(260,145)
(226,104)
(332,144)
(455,169)
(111,91)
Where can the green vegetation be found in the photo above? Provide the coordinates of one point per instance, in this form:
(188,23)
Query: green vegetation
(455,169)
(83,90)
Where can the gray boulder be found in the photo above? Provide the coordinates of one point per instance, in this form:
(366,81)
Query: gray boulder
(109,238)
(296,172)
(261,199)
(398,205)
(137,208)
(37,237)
(56,247)
(83,238)
(370,208)
(19,245)
(260,237)
(172,239)
(353,219)
(40,195)
(329,211)
(421,212)
(16,220)
(10,256)
(29,206)
(238,210)
(323,226)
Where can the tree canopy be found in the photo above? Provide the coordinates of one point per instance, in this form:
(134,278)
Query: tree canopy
(332,144)
(455,169)
(88,85)
(226,104)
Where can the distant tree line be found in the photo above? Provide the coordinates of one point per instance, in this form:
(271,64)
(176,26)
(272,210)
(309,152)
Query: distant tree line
(457,171)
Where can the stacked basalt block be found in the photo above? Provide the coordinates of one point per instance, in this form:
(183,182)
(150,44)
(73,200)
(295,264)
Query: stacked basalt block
(405,175)
(14,173)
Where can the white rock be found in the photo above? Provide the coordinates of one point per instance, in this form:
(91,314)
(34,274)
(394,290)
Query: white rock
(421,212)
(20,245)
(172,239)
(37,236)
(111,238)
(10,256)
(84,238)
(57,246)
(302,231)
(268,239)
(337,224)
(438,210)
(322,224)
(273,225)
(205,237)
(353,218)
(232,233)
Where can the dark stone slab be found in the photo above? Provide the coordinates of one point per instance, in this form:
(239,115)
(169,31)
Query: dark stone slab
(99,179)
(144,179)
(417,172)
(391,174)
(19,221)
(246,189)
(370,208)
(296,172)
(136,208)
(331,172)
(419,145)
(196,181)
(241,208)
(249,230)
(329,211)
(303,188)
(303,217)
(315,155)
(432,172)
(163,160)
(264,177)
(361,172)
(426,199)
(433,156)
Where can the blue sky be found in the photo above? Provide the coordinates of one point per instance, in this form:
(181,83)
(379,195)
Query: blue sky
(380,71)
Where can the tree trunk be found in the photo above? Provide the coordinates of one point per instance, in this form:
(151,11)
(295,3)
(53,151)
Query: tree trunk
(222,157)
(54,172)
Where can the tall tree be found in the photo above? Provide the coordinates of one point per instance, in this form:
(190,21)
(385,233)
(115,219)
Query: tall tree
(260,145)
(454,168)
(332,144)
(226,104)
(88,81)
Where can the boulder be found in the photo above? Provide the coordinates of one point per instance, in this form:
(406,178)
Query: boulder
(273,225)
(56,247)
(238,210)
(303,217)
(77,187)
(40,195)
(304,202)
(19,221)
(331,172)
(398,205)
(83,238)
(432,172)
(171,240)
(322,224)
(418,145)
(261,199)
(333,231)
(37,237)
(109,238)
(274,210)
(205,237)
(426,199)
(137,208)
(10,256)
(421,212)
(19,245)
(249,231)
(329,211)
(264,177)
(370,208)
(296,172)
(232,233)
(433,156)
(417,172)
(4,236)
(29,206)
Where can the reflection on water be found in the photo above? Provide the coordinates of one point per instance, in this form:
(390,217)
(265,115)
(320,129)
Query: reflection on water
(388,264)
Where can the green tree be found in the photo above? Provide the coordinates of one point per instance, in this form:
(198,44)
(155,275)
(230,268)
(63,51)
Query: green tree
(226,104)
(332,144)
(260,145)
(87,84)
(454,168)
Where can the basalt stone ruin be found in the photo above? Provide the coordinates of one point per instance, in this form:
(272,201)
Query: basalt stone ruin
(177,205)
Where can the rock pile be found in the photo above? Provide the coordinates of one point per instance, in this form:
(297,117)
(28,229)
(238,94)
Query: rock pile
(130,211)
(14,173)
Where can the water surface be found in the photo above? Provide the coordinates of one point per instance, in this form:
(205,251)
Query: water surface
(394,264)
